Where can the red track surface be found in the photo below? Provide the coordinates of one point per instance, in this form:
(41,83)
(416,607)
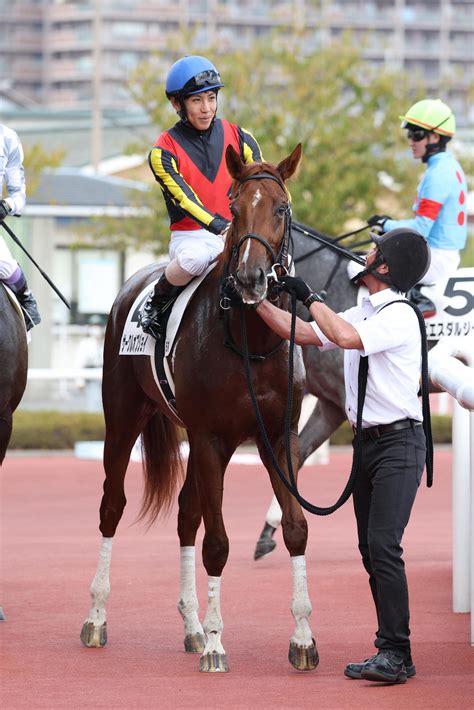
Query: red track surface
(49,553)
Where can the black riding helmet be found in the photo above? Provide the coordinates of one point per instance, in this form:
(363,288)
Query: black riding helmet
(406,254)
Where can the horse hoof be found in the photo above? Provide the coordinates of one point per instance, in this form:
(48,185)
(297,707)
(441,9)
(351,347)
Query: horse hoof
(265,544)
(2,615)
(94,636)
(303,659)
(213,663)
(194,643)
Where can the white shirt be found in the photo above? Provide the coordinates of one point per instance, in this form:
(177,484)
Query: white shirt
(11,169)
(391,338)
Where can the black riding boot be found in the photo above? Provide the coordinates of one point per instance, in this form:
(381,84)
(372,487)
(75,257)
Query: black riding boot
(151,316)
(28,304)
(426,306)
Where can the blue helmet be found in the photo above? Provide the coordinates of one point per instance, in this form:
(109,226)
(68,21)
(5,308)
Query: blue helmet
(191,75)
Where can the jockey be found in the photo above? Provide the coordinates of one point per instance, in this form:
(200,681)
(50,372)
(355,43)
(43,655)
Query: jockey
(12,172)
(440,207)
(188,162)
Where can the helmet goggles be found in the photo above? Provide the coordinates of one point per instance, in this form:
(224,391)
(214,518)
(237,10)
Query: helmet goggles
(416,134)
(209,78)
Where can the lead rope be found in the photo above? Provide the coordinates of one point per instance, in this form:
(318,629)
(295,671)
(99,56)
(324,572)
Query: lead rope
(291,484)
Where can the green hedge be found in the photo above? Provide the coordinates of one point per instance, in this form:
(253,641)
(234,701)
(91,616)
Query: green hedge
(55,430)
(60,430)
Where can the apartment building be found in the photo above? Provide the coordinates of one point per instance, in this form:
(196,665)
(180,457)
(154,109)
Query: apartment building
(49,48)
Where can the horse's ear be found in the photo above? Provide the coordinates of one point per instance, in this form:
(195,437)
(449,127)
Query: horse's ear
(233,162)
(288,166)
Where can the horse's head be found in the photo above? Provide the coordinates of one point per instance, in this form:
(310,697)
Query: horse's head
(261,213)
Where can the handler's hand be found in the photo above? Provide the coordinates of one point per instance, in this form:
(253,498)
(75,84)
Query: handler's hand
(295,285)
(4,209)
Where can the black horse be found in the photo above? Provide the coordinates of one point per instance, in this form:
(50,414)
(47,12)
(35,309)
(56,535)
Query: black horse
(14,365)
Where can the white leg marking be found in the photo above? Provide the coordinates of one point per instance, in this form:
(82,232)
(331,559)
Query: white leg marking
(300,604)
(100,586)
(273,516)
(188,605)
(213,624)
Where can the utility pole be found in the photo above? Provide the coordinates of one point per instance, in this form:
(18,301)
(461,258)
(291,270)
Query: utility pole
(96,137)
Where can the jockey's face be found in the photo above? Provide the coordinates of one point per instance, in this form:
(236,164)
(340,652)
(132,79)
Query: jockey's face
(200,109)
(418,148)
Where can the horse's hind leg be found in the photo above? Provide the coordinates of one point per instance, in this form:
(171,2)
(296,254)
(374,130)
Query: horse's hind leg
(127,411)
(303,654)
(189,519)
(5,433)
(209,460)
(324,420)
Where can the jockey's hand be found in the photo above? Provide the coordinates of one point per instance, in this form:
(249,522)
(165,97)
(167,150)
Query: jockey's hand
(4,210)
(296,286)
(218,225)
(378,221)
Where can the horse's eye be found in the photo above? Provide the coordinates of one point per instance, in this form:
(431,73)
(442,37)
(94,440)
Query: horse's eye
(282,210)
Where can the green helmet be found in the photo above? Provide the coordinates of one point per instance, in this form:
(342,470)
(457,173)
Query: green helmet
(432,115)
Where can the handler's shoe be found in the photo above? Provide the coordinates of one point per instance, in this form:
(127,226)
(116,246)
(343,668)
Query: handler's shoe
(354,670)
(386,667)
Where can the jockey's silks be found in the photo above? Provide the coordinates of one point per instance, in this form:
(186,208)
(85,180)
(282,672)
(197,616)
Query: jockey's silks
(190,167)
(440,206)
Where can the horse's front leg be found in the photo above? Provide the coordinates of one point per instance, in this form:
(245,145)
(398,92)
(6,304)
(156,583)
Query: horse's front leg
(303,654)
(210,458)
(189,519)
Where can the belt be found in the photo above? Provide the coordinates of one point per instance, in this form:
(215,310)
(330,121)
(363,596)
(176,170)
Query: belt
(375,432)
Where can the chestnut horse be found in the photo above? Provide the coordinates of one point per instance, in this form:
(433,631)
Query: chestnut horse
(213,402)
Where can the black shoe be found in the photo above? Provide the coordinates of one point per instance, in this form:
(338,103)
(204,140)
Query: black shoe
(265,544)
(354,670)
(386,667)
(151,317)
(30,308)
(425,305)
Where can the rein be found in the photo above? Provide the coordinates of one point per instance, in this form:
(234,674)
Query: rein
(291,484)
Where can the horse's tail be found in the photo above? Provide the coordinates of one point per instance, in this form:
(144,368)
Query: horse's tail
(162,466)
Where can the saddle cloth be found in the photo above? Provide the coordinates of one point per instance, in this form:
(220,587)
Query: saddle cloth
(135,342)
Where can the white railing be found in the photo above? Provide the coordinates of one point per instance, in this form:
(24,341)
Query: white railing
(448,372)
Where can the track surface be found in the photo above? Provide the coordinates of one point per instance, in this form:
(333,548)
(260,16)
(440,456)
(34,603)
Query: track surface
(50,543)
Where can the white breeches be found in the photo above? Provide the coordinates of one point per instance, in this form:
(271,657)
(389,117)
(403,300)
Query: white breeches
(444,263)
(7,262)
(194,250)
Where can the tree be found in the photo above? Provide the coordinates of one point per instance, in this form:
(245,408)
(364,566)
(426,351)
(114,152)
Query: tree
(345,113)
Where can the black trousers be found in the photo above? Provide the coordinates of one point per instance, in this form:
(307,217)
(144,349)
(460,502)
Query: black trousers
(384,493)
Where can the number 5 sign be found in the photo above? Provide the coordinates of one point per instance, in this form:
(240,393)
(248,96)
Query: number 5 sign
(454,307)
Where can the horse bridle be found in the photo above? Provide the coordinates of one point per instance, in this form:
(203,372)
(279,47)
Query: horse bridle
(277,260)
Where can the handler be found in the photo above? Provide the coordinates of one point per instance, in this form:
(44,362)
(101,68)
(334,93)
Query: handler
(387,330)
(188,162)
(13,174)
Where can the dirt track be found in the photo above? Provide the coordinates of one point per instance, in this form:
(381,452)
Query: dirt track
(50,542)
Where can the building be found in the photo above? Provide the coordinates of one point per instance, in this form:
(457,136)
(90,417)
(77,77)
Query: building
(49,48)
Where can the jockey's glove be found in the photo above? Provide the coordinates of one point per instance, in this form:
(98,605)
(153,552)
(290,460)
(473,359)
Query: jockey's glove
(218,225)
(4,209)
(378,220)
